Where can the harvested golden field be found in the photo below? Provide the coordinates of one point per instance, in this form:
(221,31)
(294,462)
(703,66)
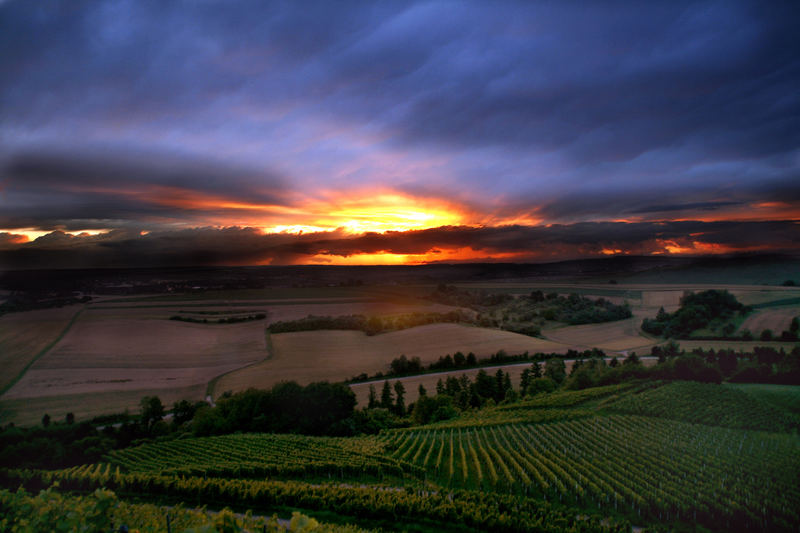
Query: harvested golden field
(106,340)
(668,299)
(105,352)
(776,319)
(610,336)
(29,411)
(25,336)
(337,355)
(277,310)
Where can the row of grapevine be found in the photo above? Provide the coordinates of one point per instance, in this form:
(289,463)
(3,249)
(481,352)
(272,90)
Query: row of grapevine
(705,403)
(568,398)
(659,469)
(259,456)
(101,511)
(483,511)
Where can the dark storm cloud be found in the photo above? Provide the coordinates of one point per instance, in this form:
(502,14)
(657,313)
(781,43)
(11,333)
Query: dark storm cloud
(232,246)
(699,206)
(49,190)
(603,82)
(567,111)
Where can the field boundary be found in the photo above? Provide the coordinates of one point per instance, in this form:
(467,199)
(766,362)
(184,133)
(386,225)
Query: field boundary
(42,352)
(267,347)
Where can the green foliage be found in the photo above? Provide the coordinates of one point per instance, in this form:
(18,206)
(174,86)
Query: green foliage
(556,370)
(697,311)
(707,404)
(370,325)
(152,410)
(222,320)
(257,456)
(475,510)
(102,512)
(540,386)
(525,315)
(433,409)
(317,409)
(655,469)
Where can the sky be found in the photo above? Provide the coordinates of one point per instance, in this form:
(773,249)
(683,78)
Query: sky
(149,133)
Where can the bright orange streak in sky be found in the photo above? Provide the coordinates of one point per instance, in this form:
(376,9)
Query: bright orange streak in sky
(440,254)
(29,234)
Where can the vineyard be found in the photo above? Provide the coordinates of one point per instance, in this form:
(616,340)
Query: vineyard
(449,510)
(258,456)
(586,460)
(558,406)
(708,404)
(101,511)
(654,469)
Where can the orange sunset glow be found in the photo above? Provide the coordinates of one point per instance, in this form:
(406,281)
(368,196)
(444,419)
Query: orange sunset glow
(381,144)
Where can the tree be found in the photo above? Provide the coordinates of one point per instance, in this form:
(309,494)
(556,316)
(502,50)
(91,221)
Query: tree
(484,385)
(372,402)
(386,396)
(540,385)
(452,386)
(400,404)
(182,412)
(70,418)
(422,391)
(632,359)
(440,387)
(614,362)
(46,420)
(536,370)
(507,388)
(766,335)
(525,380)
(499,385)
(374,325)
(556,370)
(152,410)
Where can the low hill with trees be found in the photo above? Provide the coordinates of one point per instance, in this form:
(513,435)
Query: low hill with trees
(711,310)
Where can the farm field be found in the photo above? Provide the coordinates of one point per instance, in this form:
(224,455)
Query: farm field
(29,411)
(127,344)
(25,336)
(618,336)
(349,353)
(108,353)
(785,397)
(776,319)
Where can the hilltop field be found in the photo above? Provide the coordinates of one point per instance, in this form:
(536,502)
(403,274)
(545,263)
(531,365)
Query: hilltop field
(103,356)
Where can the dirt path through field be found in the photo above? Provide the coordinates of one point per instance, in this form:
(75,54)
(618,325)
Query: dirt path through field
(27,336)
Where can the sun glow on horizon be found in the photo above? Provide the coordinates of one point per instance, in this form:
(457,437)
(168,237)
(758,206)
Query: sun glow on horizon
(31,234)
(385,211)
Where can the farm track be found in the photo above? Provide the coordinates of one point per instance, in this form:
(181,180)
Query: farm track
(43,351)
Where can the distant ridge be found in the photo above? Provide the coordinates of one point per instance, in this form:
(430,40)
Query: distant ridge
(758,269)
